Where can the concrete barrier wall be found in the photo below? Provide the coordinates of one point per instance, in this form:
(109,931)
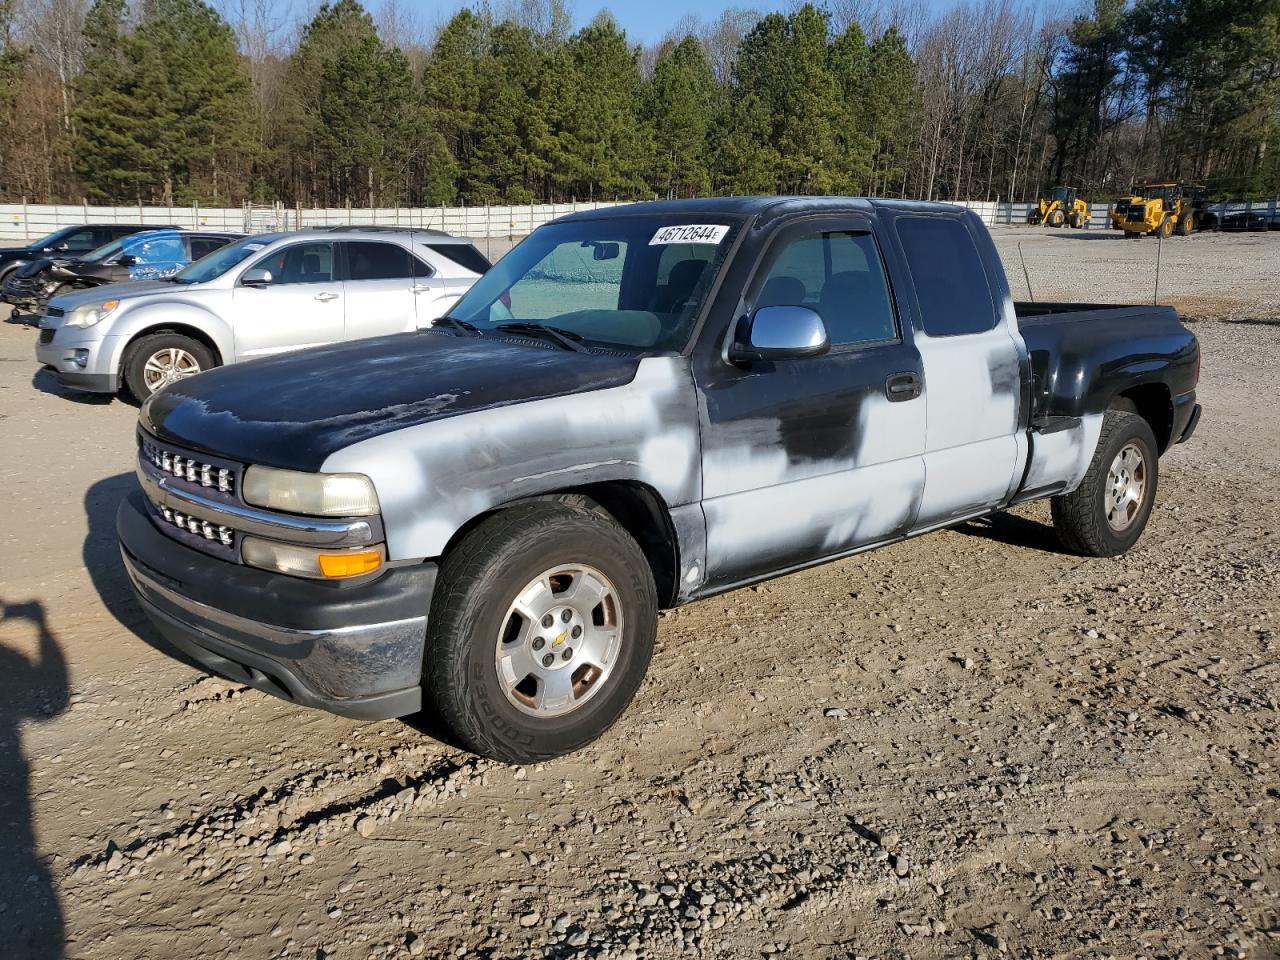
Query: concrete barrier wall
(20,221)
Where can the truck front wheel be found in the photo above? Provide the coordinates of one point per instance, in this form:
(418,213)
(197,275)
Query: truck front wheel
(1106,514)
(541,630)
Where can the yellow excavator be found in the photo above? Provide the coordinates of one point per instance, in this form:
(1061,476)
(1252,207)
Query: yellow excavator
(1063,207)
(1159,209)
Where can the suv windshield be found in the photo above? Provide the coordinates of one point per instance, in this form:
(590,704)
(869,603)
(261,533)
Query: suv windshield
(98,254)
(629,282)
(218,262)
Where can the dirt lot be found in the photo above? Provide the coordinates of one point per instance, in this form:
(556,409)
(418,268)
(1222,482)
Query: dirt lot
(967,745)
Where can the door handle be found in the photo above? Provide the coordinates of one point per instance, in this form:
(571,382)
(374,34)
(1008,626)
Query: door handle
(902,386)
(326,297)
(420,288)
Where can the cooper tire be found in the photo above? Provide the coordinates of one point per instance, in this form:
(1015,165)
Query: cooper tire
(1087,519)
(148,357)
(478,641)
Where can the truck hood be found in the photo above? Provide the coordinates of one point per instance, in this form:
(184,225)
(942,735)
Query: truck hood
(294,410)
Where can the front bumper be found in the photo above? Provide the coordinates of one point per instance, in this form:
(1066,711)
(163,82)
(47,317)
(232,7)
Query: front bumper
(79,360)
(353,649)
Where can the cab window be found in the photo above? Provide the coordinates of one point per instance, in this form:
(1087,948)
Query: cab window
(839,275)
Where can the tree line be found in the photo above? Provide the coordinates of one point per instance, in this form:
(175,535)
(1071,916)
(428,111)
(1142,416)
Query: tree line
(176,101)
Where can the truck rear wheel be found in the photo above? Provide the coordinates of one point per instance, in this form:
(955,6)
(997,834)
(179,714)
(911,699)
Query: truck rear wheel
(541,630)
(1184,226)
(1107,513)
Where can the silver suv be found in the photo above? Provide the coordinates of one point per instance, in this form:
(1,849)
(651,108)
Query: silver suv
(263,295)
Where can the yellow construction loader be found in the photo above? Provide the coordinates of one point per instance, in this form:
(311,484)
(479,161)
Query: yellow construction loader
(1160,209)
(1063,207)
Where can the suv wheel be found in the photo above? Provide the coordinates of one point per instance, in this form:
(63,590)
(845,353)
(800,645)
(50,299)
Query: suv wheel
(541,630)
(153,362)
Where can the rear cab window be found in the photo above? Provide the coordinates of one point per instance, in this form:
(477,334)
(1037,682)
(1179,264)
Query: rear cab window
(949,276)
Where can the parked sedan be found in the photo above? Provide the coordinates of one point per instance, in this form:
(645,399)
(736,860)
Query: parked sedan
(68,240)
(259,296)
(150,255)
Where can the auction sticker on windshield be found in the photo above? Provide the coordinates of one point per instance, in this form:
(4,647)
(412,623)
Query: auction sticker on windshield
(690,233)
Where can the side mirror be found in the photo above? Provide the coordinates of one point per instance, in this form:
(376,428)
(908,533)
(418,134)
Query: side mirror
(256,277)
(126,261)
(779,333)
(63,247)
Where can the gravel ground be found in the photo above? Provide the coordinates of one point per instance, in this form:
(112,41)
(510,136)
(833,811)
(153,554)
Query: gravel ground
(971,744)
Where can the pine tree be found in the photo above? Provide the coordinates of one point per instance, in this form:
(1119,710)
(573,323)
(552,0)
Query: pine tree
(682,98)
(453,81)
(107,149)
(506,164)
(849,64)
(597,138)
(889,108)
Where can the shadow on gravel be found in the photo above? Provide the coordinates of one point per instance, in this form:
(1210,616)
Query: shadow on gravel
(1015,531)
(101,555)
(31,689)
(1085,235)
(1258,321)
(46,382)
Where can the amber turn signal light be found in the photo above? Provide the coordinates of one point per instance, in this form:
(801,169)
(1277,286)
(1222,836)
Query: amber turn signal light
(338,565)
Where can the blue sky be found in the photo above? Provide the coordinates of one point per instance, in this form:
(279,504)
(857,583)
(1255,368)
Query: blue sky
(645,21)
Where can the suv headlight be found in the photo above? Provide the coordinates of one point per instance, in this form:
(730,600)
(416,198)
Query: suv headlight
(311,494)
(90,313)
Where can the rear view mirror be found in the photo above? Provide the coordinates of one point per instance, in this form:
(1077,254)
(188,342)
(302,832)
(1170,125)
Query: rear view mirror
(603,250)
(779,333)
(256,277)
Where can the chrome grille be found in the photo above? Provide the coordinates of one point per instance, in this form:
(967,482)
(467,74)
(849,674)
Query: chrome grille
(213,532)
(189,468)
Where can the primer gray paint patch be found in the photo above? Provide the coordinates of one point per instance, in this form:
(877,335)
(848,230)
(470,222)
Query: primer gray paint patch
(433,477)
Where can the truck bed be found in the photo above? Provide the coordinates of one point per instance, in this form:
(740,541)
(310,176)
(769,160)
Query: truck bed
(1085,354)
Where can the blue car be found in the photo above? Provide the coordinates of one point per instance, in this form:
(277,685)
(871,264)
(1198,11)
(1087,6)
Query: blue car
(150,255)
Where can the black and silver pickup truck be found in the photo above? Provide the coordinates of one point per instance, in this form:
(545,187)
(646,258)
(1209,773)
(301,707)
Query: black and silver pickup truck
(634,409)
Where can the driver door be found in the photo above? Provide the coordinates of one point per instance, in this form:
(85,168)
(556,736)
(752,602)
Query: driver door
(810,458)
(302,306)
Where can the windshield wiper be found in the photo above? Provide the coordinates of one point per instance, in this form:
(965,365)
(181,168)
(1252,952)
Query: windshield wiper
(565,338)
(457,324)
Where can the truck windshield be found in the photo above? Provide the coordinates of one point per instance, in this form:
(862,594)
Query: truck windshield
(629,282)
(218,262)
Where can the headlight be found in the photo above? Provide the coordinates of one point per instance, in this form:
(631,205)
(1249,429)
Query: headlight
(311,494)
(310,562)
(91,313)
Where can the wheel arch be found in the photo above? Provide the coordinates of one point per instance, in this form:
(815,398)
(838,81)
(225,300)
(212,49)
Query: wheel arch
(636,507)
(180,328)
(1154,403)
